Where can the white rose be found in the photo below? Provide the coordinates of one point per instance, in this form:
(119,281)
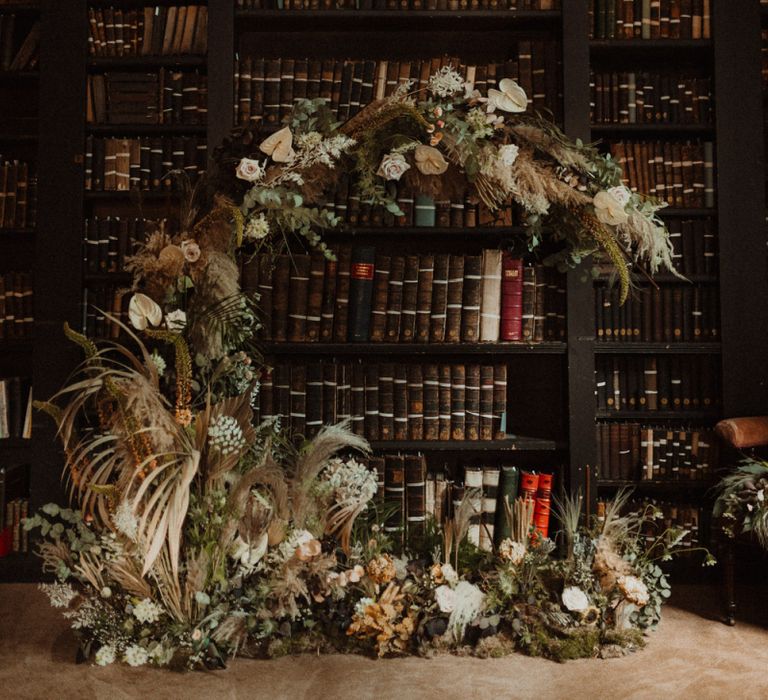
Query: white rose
(508,154)
(574,599)
(191,251)
(176,320)
(249,170)
(143,311)
(445,597)
(393,166)
(608,209)
(621,193)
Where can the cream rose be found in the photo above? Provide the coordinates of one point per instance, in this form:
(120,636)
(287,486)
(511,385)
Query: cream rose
(508,154)
(393,166)
(249,170)
(191,251)
(143,311)
(608,209)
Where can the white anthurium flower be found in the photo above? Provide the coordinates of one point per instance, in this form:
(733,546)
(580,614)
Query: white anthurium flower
(143,311)
(574,599)
(176,320)
(510,97)
(429,160)
(279,145)
(609,209)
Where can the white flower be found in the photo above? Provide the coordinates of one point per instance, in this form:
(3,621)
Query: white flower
(106,592)
(634,590)
(279,145)
(249,554)
(362,604)
(355,574)
(510,97)
(125,521)
(105,655)
(143,311)
(574,599)
(445,597)
(135,655)
(508,154)
(446,82)
(449,574)
(60,595)
(147,611)
(393,166)
(468,603)
(512,551)
(350,481)
(609,209)
(256,228)
(761,495)
(621,193)
(191,250)
(158,362)
(176,320)
(250,170)
(225,435)
(309,141)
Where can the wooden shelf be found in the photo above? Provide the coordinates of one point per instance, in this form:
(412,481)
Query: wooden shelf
(649,46)
(659,416)
(11,76)
(653,129)
(107,277)
(664,278)
(671,487)
(687,212)
(450,231)
(155,195)
(21,568)
(145,129)
(135,62)
(284,349)
(608,348)
(511,444)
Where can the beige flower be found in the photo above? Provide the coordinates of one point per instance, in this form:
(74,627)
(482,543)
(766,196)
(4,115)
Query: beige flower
(609,209)
(634,590)
(176,321)
(355,574)
(249,170)
(512,551)
(309,550)
(142,311)
(279,145)
(191,251)
(171,260)
(429,160)
(510,97)
(574,599)
(508,154)
(393,166)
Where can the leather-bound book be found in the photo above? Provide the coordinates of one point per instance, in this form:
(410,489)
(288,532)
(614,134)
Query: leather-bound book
(543,504)
(361,293)
(473,479)
(264,303)
(490,305)
(300,77)
(326,79)
(271,109)
(410,299)
(439,300)
(394,496)
(472,406)
(280,289)
(415,402)
(539,309)
(343,392)
(315,296)
(266,395)
(529,303)
(369,74)
(401,402)
(314,404)
(431,402)
(444,402)
(458,402)
(471,299)
(387,401)
(341,322)
(454,306)
(282,394)
(424,297)
(287,78)
(297,298)
(357,393)
(625,452)
(330,393)
(486,402)
(529,486)
(249,275)
(676,383)
(298,399)
(509,479)
(499,401)
(599,320)
(395,298)
(328,305)
(405,202)
(677,314)
(380,295)
(490,499)
(372,401)
(415,494)
(345,90)
(378,464)
(511,298)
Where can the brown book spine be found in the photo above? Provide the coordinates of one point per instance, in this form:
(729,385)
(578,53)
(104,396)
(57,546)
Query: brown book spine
(372,431)
(454,299)
(458,402)
(499,401)
(444,402)
(357,394)
(341,322)
(424,297)
(394,495)
(401,402)
(395,298)
(314,401)
(410,299)
(380,295)
(540,310)
(343,392)
(330,393)
(415,489)
(473,402)
(298,298)
(329,301)
(415,403)
(529,303)
(439,299)
(280,286)
(315,296)
(387,401)
(298,399)
(431,402)
(471,298)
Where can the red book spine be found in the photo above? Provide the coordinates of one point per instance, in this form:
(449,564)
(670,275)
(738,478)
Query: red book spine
(543,504)
(511,298)
(529,485)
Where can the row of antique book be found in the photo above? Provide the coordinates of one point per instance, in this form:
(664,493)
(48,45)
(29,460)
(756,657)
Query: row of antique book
(695,245)
(680,173)
(19,47)
(122,164)
(266,88)
(14,507)
(367,295)
(650,19)
(18,194)
(414,495)
(650,98)
(660,383)
(386,401)
(108,241)
(451,5)
(678,515)
(16,305)
(667,314)
(161,97)
(633,451)
(15,408)
(159,30)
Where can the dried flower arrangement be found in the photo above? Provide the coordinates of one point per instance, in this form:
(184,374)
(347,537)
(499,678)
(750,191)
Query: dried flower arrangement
(741,502)
(196,535)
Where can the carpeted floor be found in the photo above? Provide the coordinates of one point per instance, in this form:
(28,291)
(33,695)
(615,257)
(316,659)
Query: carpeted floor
(691,655)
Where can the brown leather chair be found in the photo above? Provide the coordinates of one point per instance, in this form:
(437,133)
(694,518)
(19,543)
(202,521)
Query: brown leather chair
(745,435)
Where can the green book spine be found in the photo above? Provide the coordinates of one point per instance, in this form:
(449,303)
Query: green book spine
(424,211)
(508,485)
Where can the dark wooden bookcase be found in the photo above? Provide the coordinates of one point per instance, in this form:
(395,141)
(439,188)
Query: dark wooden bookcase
(552,385)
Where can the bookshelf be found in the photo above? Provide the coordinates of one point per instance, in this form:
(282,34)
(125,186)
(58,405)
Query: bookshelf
(555,430)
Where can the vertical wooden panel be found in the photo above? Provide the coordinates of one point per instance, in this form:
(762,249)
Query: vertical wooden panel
(741,208)
(221,54)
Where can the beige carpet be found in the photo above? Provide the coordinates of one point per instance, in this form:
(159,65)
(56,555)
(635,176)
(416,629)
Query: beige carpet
(689,656)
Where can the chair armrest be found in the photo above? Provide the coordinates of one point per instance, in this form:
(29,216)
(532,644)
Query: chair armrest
(742,433)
